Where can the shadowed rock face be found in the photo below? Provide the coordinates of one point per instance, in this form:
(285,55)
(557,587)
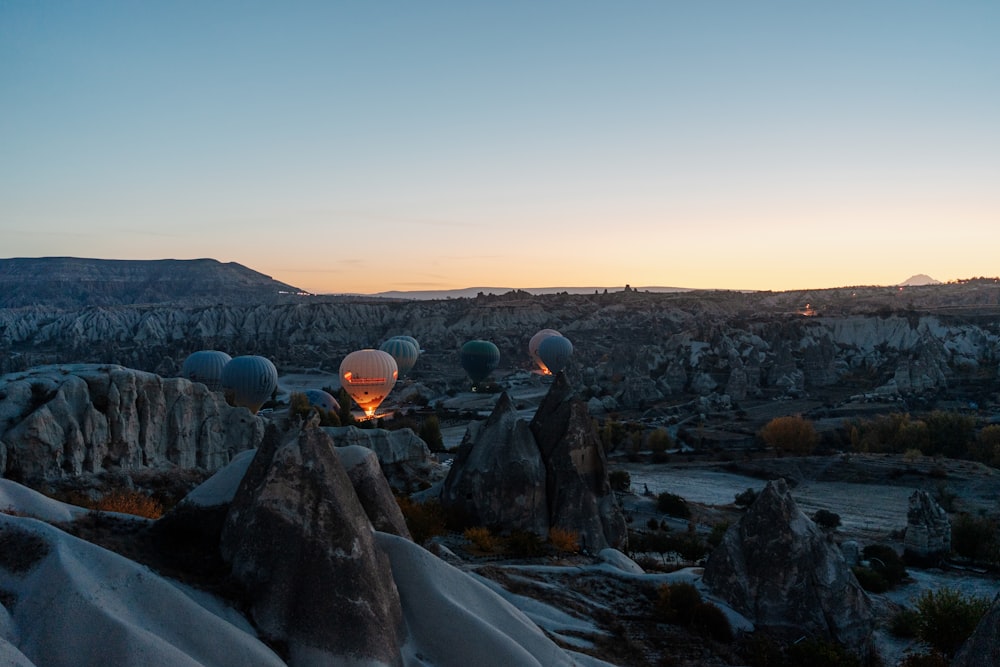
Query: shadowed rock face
(300,543)
(982,649)
(776,567)
(928,530)
(60,421)
(577,487)
(497,478)
(406,461)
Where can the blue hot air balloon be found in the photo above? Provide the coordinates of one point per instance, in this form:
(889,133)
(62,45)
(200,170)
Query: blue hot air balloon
(479,358)
(555,351)
(249,381)
(322,399)
(205,366)
(410,339)
(533,344)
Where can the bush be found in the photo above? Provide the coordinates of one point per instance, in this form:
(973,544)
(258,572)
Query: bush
(746,498)
(904,623)
(659,441)
(792,434)
(870,580)
(673,505)
(826,519)
(949,433)
(718,532)
(820,653)
(130,502)
(975,538)
(565,540)
(430,432)
(524,544)
(986,448)
(675,603)
(620,480)
(884,560)
(481,538)
(947,618)
(932,659)
(712,621)
(424,520)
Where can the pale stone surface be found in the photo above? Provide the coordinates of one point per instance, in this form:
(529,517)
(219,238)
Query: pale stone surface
(982,649)
(407,462)
(928,529)
(373,489)
(59,421)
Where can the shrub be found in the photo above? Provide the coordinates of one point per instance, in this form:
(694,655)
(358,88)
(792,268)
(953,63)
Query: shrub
(949,433)
(673,505)
(718,532)
(884,560)
(987,445)
(424,520)
(430,432)
(870,580)
(820,653)
(130,502)
(712,621)
(675,603)
(659,441)
(826,519)
(975,538)
(620,480)
(947,618)
(904,623)
(793,434)
(481,538)
(524,544)
(564,540)
(932,659)
(746,498)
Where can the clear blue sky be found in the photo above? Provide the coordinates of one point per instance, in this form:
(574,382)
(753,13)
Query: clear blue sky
(364,146)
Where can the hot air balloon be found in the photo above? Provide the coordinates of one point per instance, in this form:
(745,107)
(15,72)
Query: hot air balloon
(249,381)
(533,344)
(479,358)
(403,351)
(322,399)
(368,376)
(205,366)
(410,339)
(555,352)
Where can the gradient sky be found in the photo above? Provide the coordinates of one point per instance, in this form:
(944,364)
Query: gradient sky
(365,146)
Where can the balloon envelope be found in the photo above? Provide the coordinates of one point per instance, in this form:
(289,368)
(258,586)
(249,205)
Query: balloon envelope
(249,381)
(206,366)
(535,341)
(322,399)
(479,358)
(555,352)
(410,339)
(368,376)
(403,351)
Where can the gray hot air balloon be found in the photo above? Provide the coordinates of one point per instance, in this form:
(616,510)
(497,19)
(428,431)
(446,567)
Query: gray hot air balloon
(410,339)
(403,351)
(249,381)
(205,366)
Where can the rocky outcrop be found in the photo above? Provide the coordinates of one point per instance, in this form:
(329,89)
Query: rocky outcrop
(373,489)
(928,530)
(982,649)
(777,567)
(59,421)
(406,460)
(300,543)
(497,478)
(579,493)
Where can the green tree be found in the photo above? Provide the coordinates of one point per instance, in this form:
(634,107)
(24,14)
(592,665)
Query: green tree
(950,433)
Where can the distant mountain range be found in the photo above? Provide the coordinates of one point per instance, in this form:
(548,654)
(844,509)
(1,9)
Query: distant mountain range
(919,279)
(472,292)
(72,282)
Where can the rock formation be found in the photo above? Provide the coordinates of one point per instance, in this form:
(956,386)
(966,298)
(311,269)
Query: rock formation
(407,462)
(551,473)
(373,490)
(300,543)
(777,567)
(982,649)
(577,487)
(928,530)
(60,421)
(497,478)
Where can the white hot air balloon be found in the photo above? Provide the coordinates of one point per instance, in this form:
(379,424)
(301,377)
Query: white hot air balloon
(249,381)
(206,366)
(368,376)
(533,344)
